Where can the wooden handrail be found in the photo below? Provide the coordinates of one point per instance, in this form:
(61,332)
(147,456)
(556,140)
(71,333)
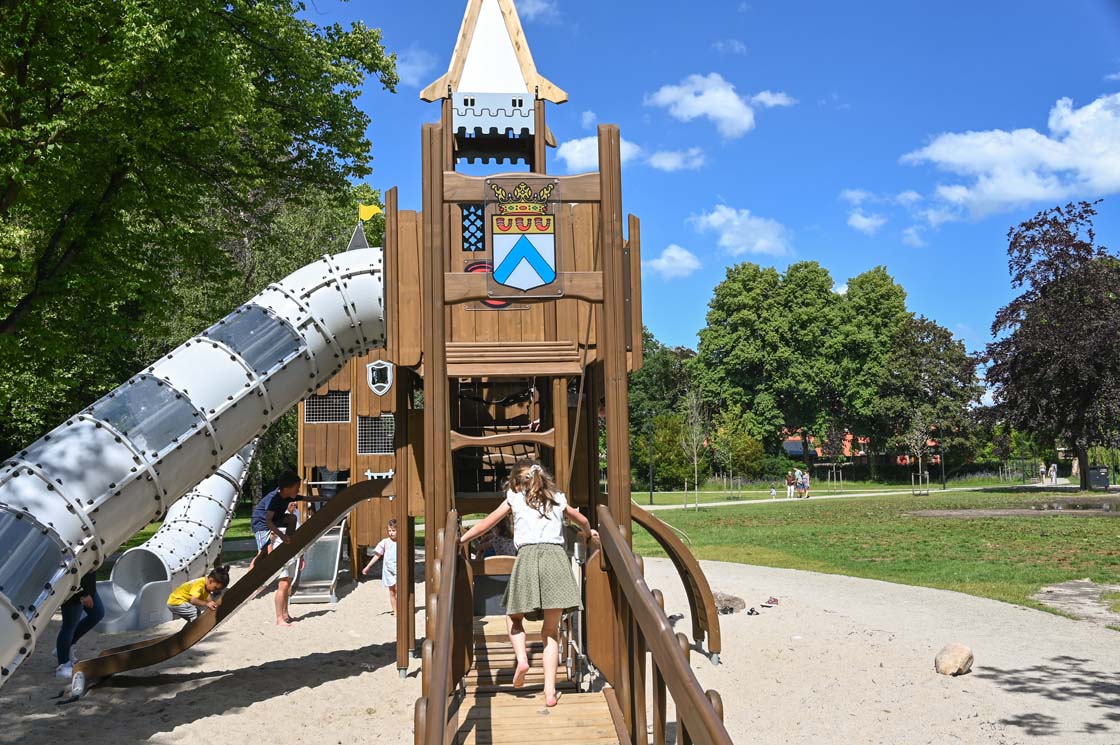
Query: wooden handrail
(695,711)
(705,616)
(433,707)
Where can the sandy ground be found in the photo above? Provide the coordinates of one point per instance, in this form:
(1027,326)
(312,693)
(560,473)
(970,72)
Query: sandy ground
(838,660)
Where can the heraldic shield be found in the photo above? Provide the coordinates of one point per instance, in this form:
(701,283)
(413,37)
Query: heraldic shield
(523,237)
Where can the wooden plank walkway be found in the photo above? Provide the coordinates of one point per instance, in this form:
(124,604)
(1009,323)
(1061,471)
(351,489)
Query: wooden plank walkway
(493,712)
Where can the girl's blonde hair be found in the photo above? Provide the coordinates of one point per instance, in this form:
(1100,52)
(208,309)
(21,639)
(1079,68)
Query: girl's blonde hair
(532,480)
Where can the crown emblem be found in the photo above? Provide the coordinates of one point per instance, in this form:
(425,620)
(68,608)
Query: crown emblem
(522,200)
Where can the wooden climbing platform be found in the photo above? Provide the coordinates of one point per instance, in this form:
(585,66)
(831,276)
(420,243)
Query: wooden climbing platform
(493,712)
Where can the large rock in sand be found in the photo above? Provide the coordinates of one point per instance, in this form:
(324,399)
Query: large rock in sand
(954,659)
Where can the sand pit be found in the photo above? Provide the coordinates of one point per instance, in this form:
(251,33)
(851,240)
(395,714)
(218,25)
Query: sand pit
(838,660)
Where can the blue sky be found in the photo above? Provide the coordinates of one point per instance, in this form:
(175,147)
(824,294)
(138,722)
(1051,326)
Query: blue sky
(910,135)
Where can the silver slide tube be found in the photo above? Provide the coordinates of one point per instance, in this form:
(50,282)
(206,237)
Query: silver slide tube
(184,548)
(71,498)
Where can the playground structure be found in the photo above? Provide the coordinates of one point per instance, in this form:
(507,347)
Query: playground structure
(186,545)
(502,325)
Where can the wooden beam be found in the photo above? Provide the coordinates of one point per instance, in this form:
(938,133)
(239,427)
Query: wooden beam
(540,140)
(461,287)
(634,236)
(437,426)
(614,327)
(460,441)
(459,188)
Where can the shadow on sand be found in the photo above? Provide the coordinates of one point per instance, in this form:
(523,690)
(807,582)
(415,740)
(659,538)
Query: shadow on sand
(1062,678)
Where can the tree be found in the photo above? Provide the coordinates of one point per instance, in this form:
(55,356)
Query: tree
(764,347)
(671,466)
(142,141)
(658,386)
(871,320)
(1055,366)
(694,430)
(736,449)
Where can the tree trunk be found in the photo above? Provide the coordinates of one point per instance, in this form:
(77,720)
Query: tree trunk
(1082,464)
(805,447)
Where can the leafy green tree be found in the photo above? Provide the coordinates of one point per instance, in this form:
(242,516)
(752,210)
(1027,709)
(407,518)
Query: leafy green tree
(871,317)
(671,466)
(141,142)
(738,451)
(657,387)
(1055,366)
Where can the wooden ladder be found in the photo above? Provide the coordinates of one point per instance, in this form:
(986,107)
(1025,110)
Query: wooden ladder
(493,712)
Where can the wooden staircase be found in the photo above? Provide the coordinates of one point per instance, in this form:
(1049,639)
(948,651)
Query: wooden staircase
(493,712)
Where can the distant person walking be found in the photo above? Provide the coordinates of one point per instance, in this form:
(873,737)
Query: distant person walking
(805,484)
(790,484)
(1042,472)
(387,549)
(1053,474)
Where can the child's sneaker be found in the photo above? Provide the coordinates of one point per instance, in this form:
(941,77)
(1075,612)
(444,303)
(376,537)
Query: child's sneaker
(65,670)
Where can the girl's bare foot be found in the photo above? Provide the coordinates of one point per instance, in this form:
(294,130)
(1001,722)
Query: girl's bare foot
(283,622)
(551,700)
(289,619)
(519,674)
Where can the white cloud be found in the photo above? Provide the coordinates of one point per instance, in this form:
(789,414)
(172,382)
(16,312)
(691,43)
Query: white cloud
(414,65)
(583,154)
(864,223)
(729,46)
(855,197)
(1080,156)
(740,232)
(770,99)
(531,10)
(841,289)
(1112,76)
(711,97)
(912,236)
(677,160)
(674,262)
(588,119)
(908,198)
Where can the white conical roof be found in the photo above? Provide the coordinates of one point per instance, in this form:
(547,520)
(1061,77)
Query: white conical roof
(492,56)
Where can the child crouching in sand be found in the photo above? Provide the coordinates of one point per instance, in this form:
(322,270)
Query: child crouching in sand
(191,599)
(541,585)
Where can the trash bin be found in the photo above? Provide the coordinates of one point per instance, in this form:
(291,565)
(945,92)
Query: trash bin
(1098,477)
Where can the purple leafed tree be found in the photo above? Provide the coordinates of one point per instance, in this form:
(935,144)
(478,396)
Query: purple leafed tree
(1055,364)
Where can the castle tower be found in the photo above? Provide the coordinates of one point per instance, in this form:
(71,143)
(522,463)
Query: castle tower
(493,97)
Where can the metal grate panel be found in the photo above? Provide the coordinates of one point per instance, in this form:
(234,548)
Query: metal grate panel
(375,435)
(333,408)
(474,231)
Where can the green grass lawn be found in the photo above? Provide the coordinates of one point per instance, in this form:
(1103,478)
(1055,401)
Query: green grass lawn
(820,489)
(238,528)
(1005,558)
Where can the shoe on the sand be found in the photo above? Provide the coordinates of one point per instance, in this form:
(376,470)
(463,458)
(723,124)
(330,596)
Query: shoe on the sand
(65,670)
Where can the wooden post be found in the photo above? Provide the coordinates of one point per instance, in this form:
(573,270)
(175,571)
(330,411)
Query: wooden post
(540,139)
(437,425)
(561,452)
(614,327)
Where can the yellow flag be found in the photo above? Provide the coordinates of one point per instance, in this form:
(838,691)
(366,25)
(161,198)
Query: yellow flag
(366,211)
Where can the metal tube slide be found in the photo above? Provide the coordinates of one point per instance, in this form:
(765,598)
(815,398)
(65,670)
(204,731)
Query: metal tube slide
(184,547)
(71,498)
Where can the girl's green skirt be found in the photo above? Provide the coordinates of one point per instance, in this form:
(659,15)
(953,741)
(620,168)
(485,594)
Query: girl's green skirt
(542,579)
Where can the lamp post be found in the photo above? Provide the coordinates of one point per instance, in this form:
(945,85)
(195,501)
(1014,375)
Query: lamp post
(650,428)
(941,457)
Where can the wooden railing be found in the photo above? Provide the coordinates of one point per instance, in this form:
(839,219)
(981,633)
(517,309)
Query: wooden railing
(447,652)
(627,624)
(701,601)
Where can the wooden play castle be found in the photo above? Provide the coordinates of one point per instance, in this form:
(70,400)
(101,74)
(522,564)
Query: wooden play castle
(513,316)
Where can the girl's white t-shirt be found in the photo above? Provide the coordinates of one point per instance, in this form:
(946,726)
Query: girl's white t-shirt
(530,526)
